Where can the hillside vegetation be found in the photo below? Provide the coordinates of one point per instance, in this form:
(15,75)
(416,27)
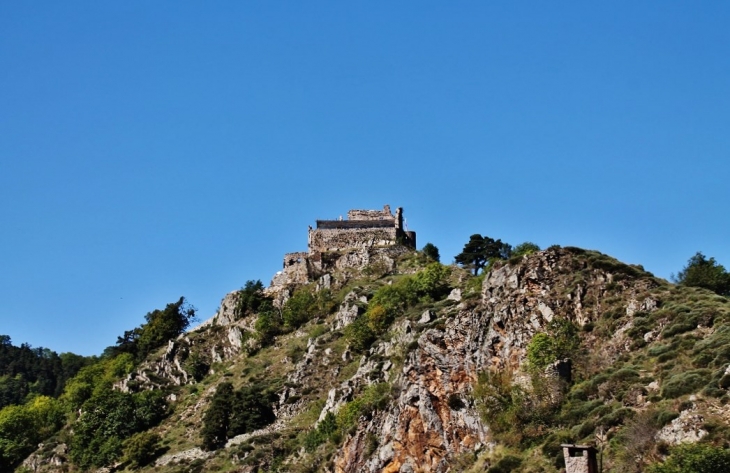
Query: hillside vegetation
(415,367)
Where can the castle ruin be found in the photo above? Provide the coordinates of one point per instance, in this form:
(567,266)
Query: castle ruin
(345,243)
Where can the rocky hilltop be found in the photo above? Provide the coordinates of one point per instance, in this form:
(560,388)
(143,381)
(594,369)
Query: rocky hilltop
(382,360)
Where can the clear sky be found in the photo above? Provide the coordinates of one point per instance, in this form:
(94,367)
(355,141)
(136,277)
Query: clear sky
(150,150)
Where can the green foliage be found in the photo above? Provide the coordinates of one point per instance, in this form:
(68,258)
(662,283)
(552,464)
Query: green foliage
(560,342)
(375,396)
(268,325)
(326,430)
(232,413)
(703,272)
(506,464)
(31,371)
(196,365)
(479,250)
(431,251)
(517,415)
(432,282)
(96,379)
(359,334)
(23,427)
(391,301)
(685,382)
(141,448)
(695,458)
(526,248)
(217,419)
(249,298)
(540,350)
(160,326)
(300,308)
(107,419)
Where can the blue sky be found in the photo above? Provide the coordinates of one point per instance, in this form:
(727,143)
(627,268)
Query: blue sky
(150,150)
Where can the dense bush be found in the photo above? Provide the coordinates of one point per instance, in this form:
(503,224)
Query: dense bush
(250,298)
(141,448)
(391,301)
(160,326)
(707,273)
(299,309)
(375,396)
(526,248)
(107,419)
(560,342)
(23,427)
(232,413)
(431,251)
(506,464)
(695,458)
(686,382)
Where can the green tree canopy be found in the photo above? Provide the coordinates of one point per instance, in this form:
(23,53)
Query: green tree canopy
(525,248)
(479,250)
(162,325)
(430,250)
(703,272)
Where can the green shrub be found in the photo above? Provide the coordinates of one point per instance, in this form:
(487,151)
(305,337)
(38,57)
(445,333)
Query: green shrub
(22,427)
(232,413)
(680,326)
(506,465)
(431,251)
(560,342)
(686,382)
(299,309)
(695,458)
(324,431)
(249,298)
(374,397)
(141,448)
(526,248)
(267,325)
(196,365)
(109,418)
(359,334)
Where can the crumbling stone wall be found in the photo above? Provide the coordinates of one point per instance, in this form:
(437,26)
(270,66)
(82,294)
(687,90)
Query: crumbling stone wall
(370,214)
(579,459)
(295,271)
(321,240)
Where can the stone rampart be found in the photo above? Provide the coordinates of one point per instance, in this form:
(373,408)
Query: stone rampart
(342,224)
(321,240)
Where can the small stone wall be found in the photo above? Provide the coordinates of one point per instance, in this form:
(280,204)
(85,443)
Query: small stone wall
(295,258)
(579,459)
(338,239)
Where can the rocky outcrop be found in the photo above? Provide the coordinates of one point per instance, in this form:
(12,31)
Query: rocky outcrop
(232,338)
(432,418)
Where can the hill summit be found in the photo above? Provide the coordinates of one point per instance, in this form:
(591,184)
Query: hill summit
(365,355)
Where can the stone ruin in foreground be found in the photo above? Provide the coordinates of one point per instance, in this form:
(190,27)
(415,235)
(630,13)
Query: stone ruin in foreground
(365,237)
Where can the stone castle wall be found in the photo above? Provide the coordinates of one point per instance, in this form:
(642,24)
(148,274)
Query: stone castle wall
(322,240)
(345,244)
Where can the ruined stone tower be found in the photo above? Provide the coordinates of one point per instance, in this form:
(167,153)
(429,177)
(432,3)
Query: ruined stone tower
(345,242)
